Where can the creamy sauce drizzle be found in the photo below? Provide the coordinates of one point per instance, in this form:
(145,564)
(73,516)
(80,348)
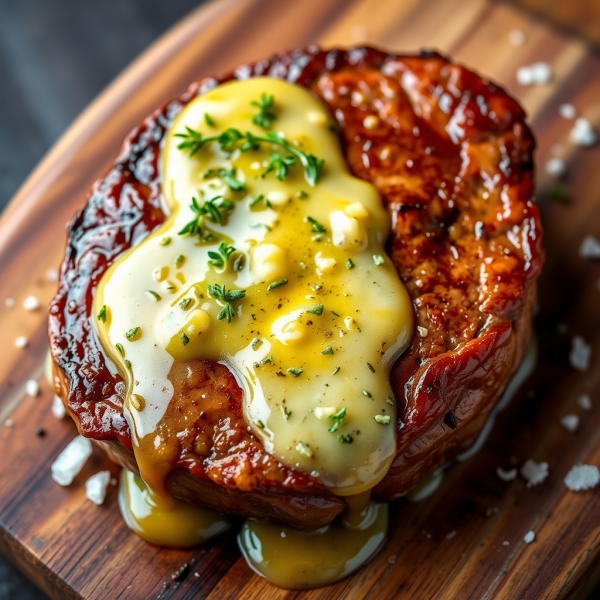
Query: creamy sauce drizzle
(302,352)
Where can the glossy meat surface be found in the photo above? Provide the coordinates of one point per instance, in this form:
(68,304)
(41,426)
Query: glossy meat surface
(452,159)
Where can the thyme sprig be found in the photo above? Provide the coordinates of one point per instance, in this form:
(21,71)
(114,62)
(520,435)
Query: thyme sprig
(228,176)
(211,208)
(194,140)
(227,296)
(265,115)
(337,417)
(221,257)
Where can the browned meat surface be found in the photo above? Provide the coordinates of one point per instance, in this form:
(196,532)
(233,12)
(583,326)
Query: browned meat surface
(452,159)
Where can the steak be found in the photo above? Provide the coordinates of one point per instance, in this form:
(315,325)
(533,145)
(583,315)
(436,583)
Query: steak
(451,157)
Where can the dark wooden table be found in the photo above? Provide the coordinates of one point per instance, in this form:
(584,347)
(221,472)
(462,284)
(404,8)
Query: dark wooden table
(55,57)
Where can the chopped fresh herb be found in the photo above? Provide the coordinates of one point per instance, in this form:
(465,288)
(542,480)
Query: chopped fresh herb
(128,363)
(367,394)
(256,200)
(179,261)
(256,342)
(220,258)
(228,176)
(209,120)
(346,438)
(154,295)
(102,314)
(317,287)
(349,264)
(210,238)
(336,370)
(185,303)
(279,164)
(132,334)
(334,313)
(559,194)
(382,419)
(266,360)
(220,293)
(120,348)
(265,115)
(287,413)
(194,140)
(315,310)
(304,449)
(165,241)
(338,417)
(238,263)
(185,340)
(328,350)
(378,259)
(332,128)
(316,226)
(211,208)
(302,194)
(390,400)
(260,424)
(277,284)
(295,372)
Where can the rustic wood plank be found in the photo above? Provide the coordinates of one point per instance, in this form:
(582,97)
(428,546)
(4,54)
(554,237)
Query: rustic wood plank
(449,546)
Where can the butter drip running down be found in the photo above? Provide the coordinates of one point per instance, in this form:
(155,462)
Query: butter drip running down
(307,310)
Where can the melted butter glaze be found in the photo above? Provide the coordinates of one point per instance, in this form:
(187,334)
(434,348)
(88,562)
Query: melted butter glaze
(343,352)
(164,521)
(297,560)
(466,241)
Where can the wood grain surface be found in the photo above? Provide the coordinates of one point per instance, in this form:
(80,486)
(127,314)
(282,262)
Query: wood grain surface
(449,546)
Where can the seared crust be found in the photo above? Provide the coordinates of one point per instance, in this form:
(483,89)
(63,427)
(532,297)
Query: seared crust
(452,159)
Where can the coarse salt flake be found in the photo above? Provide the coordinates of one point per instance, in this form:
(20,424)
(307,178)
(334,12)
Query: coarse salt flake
(567,111)
(534,473)
(590,247)
(556,167)
(32,388)
(582,477)
(58,408)
(581,353)
(95,487)
(570,422)
(71,460)
(584,402)
(529,537)
(506,475)
(21,342)
(539,73)
(422,331)
(583,133)
(31,303)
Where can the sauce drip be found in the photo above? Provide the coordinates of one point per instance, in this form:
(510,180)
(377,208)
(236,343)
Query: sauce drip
(164,521)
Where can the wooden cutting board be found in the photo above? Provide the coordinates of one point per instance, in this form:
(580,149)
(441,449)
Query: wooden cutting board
(466,541)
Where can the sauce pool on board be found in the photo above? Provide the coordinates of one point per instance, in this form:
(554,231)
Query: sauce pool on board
(272,262)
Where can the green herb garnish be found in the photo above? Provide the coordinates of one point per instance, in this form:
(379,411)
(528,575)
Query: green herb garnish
(315,310)
(221,293)
(328,350)
(265,115)
(336,370)
(185,303)
(128,363)
(382,419)
(209,120)
(220,258)
(228,176)
(334,313)
(378,259)
(132,334)
(179,261)
(279,164)
(345,438)
(304,449)
(295,372)
(120,348)
(165,241)
(390,400)
(277,284)
(367,394)
(185,340)
(154,295)
(102,314)
(256,200)
(266,360)
(316,226)
(287,413)
(349,264)
(338,417)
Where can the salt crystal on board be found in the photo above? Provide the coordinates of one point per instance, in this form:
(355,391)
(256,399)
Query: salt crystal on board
(539,73)
(21,342)
(590,247)
(583,133)
(582,477)
(506,475)
(570,422)
(529,537)
(58,408)
(32,388)
(581,353)
(584,402)
(31,303)
(95,487)
(535,473)
(567,111)
(71,460)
